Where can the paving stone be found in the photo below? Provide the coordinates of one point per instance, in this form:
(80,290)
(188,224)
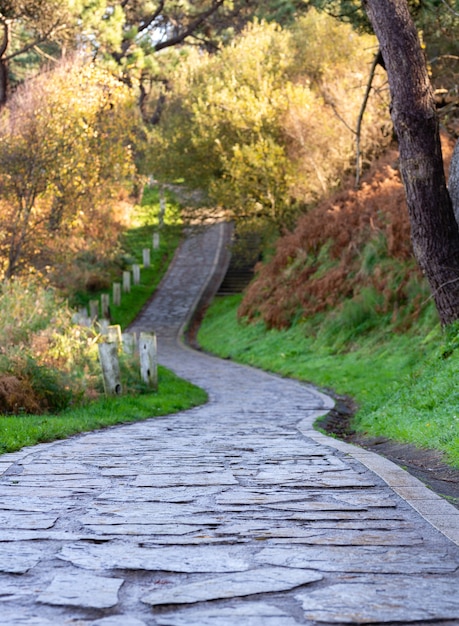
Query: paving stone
(153,494)
(18,558)
(82,590)
(331,536)
(179,480)
(263,580)
(12,591)
(9,619)
(151,510)
(180,559)
(141,529)
(25,521)
(69,469)
(403,600)
(118,620)
(371,559)
(29,503)
(246,613)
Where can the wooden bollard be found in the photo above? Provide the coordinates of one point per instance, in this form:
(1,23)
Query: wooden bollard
(146,257)
(129,342)
(114,334)
(105,304)
(103,327)
(148,359)
(108,357)
(126,282)
(155,241)
(116,294)
(162,205)
(81,317)
(94,309)
(136,273)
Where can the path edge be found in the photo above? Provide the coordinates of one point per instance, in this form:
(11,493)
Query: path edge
(437,511)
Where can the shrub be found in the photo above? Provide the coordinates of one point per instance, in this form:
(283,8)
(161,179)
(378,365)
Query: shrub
(46,362)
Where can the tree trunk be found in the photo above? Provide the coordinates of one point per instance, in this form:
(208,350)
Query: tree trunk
(434,230)
(4,43)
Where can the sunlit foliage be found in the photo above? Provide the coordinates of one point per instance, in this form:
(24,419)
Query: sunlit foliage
(266,126)
(65,148)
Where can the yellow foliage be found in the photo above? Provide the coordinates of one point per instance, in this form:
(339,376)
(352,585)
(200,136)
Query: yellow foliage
(268,124)
(65,149)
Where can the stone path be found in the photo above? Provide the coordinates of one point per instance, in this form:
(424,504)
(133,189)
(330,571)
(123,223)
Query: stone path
(234,513)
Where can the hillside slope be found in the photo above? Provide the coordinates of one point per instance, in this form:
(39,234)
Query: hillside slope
(353,246)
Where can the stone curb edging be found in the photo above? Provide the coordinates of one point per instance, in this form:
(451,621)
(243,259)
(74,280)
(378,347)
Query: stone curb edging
(437,511)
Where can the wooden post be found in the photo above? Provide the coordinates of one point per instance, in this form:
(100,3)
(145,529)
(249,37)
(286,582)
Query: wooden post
(155,241)
(116,294)
(114,334)
(146,257)
(81,317)
(103,326)
(108,356)
(162,205)
(94,309)
(105,303)
(126,282)
(129,342)
(148,359)
(136,273)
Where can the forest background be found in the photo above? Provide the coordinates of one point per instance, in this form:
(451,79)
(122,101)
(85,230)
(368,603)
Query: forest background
(277,117)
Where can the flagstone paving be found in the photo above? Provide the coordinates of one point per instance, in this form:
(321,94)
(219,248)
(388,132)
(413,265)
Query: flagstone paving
(233,513)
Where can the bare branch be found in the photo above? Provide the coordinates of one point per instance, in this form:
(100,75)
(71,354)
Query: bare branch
(450,9)
(148,22)
(6,38)
(195,24)
(358,131)
(55,27)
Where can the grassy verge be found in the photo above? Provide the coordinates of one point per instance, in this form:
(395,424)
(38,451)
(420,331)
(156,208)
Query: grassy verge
(37,331)
(405,384)
(134,240)
(174,395)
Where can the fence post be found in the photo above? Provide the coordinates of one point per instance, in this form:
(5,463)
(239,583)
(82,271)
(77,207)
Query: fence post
(162,205)
(136,273)
(148,359)
(114,334)
(126,282)
(94,309)
(146,257)
(155,241)
(103,327)
(108,356)
(105,303)
(129,342)
(116,294)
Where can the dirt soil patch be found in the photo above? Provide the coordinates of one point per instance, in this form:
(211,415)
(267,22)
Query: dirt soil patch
(429,466)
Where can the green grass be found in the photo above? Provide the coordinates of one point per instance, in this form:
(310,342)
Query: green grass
(174,394)
(145,222)
(404,388)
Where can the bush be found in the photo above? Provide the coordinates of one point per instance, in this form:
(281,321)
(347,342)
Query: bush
(46,362)
(265,126)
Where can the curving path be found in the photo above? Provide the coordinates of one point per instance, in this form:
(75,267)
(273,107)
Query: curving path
(233,513)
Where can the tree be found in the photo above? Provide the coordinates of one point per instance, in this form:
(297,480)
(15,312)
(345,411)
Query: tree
(32,33)
(434,230)
(64,145)
(255,126)
(128,34)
